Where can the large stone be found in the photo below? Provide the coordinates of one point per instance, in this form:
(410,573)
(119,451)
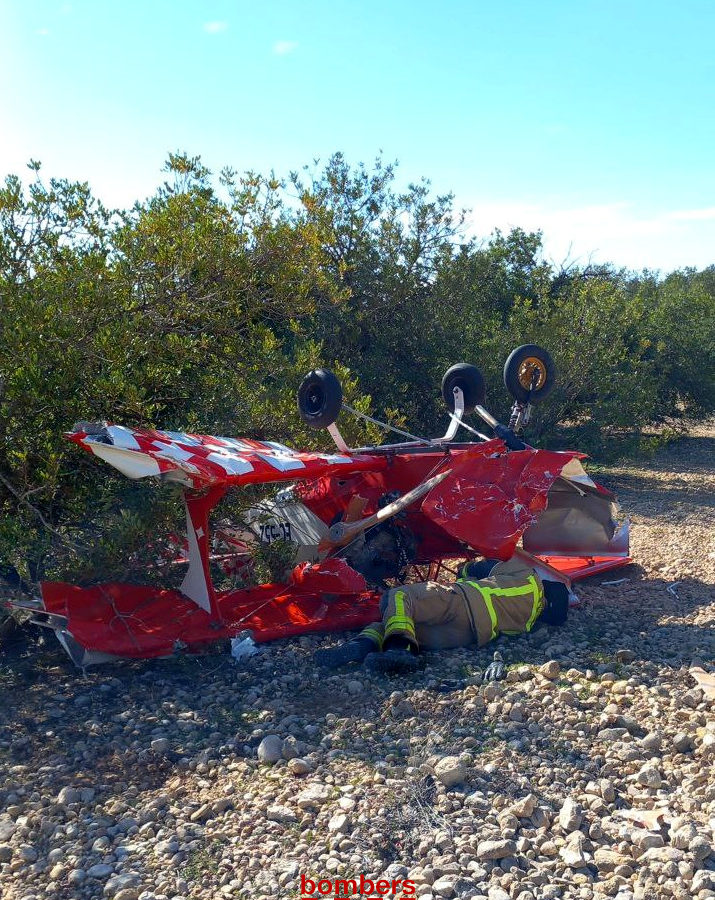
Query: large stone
(495,850)
(524,808)
(644,840)
(298,766)
(68,795)
(27,853)
(282,814)
(550,669)
(663,855)
(572,851)
(570,816)
(609,735)
(652,741)
(444,887)
(127,894)
(682,742)
(128,882)
(100,871)
(450,771)
(339,824)
(607,860)
(498,893)
(270,750)
(701,848)
(608,792)
(682,837)
(313,796)
(650,777)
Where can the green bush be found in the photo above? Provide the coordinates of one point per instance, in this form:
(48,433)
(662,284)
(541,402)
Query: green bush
(202,308)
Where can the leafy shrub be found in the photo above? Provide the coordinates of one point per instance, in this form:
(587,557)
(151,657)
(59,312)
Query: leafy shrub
(202,308)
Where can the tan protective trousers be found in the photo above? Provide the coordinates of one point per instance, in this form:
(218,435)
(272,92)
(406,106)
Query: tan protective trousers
(438,617)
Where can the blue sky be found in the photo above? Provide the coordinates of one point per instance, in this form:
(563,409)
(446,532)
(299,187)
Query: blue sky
(593,121)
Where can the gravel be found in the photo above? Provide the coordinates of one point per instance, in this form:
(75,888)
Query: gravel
(588,773)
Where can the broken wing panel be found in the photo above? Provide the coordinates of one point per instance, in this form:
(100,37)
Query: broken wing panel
(579,519)
(124,620)
(198,461)
(489,501)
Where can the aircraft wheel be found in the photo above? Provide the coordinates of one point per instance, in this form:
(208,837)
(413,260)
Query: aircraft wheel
(529,374)
(470,380)
(320,398)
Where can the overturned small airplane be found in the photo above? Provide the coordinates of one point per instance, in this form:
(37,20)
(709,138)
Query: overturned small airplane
(359,519)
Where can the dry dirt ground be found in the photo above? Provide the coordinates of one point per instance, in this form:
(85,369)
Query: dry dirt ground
(589,772)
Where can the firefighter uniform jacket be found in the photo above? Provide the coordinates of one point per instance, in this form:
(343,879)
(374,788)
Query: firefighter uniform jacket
(438,616)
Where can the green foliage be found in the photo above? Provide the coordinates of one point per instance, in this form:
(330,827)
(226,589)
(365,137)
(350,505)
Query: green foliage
(202,308)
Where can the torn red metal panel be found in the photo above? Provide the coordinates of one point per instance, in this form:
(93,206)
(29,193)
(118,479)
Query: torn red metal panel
(578,567)
(135,621)
(492,498)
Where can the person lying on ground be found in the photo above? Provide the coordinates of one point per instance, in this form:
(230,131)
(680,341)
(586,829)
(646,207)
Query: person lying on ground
(490,598)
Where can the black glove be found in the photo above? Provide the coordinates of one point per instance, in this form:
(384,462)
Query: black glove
(496,670)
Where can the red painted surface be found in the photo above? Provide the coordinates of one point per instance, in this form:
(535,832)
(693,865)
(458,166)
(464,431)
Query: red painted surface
(130,620)
(578,567)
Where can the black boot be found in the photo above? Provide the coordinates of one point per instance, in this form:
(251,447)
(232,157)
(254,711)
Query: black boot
(393,661)
(349,652)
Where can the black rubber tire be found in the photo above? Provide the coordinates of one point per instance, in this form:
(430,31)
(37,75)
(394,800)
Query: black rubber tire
(517,368)
(470,380)
(320,398)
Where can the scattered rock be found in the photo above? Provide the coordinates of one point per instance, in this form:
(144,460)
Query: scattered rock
(68,795)
(524,808)
(314,796)
(339,824)
(570,816)
(550,669)
(298,766)
(650,777)
(270,750)
(499,849)
(137,785)
(450,771)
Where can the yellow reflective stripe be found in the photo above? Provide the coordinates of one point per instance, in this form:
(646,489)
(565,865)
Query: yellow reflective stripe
(486,597)
(399,623)
(400,603)
(531,587)
(403,621)
(536,607)
(372,634)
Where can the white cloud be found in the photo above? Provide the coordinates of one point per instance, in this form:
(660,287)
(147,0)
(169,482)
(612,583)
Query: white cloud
(215,27)
(609,232)
(692,215)
(43,32)
(280,48)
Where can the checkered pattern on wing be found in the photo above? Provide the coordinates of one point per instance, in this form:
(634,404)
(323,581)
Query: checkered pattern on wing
(198,460)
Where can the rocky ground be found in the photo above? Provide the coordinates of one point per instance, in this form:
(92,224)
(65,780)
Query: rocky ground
(589,772)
